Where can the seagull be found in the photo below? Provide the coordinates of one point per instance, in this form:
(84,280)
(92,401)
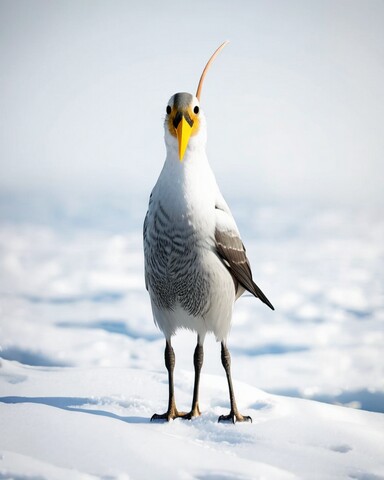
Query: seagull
(196,265)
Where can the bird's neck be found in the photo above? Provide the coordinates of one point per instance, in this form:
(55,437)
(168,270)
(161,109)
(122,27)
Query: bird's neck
(188,185)
(194,160)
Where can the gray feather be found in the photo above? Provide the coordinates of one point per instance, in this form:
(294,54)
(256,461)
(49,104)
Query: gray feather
(232,251)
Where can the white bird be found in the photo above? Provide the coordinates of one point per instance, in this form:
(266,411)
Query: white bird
(195,261)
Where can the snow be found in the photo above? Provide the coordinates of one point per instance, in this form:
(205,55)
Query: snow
(95,421)
(82,367)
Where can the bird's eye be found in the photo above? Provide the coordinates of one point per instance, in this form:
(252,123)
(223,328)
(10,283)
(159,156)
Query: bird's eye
(196,109)
(169,109)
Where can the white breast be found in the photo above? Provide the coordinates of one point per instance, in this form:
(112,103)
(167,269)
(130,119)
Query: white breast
(188,284)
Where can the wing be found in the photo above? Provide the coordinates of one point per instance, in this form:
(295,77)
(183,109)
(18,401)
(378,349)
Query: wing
(233,254)
(145,240)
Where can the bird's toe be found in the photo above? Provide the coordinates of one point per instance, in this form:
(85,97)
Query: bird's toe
(233,417)
(195,412)
(156,417)
(167,416)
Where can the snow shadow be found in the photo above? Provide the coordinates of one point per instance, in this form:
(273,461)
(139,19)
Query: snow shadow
(365,476)
(269,349)
(31,358)
(73,404)
(7,476)
(221,475)
(100,297)
(362,399)
(112,326)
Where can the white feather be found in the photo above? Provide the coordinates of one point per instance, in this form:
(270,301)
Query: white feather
(188,193)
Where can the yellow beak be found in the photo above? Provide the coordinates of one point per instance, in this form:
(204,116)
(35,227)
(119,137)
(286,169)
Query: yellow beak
(183,133)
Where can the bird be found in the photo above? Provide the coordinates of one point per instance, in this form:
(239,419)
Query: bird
(195,263)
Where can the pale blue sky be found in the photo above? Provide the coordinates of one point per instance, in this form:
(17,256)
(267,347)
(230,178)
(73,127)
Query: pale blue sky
(294,104)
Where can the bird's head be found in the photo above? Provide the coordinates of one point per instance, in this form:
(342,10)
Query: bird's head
(185,121)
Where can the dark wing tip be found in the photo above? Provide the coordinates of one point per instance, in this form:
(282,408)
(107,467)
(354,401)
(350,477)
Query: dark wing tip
(267,302)
(271,306)
(231,249)
(261,296)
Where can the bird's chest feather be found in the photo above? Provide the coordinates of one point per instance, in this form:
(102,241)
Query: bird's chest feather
(178,237)
(181,214)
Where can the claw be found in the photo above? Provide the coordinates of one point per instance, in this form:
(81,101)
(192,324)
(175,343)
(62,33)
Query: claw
(234,417)
(167,416)
(195,412)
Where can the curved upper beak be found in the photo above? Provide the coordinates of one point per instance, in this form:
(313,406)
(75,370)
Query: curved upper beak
(183,133)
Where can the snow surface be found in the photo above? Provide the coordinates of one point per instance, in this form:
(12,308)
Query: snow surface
(94,423)
(82,367)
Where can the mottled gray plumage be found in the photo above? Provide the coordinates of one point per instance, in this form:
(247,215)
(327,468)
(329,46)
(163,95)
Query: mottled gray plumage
(172,264)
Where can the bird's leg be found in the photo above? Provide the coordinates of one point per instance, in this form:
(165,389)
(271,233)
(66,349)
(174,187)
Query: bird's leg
(234,415)
(198,358)
(172,412)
